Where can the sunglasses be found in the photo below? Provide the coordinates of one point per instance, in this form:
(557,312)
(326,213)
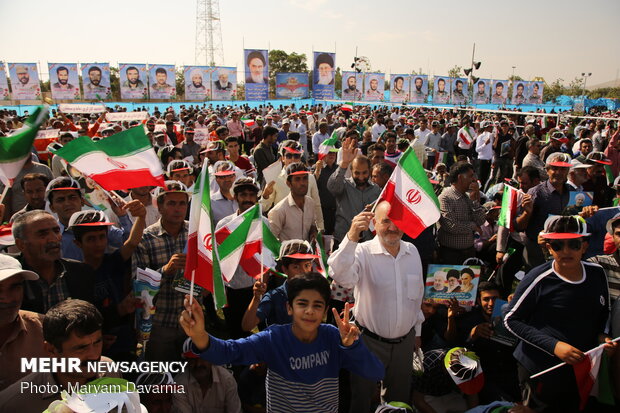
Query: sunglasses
(292,155)
(573,244)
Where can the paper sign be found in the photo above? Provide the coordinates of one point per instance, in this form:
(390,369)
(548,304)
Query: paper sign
(121,116)
(444,282)
(80,108)
(272,171)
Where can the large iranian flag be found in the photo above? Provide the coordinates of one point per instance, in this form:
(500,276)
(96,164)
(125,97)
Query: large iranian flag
(414,205)
(201,265)
(16,148)
(327,145)
(241,242)
(509,208)
(122,161)
(466,136)
(593,377)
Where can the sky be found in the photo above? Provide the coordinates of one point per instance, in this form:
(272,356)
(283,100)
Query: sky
(550,39)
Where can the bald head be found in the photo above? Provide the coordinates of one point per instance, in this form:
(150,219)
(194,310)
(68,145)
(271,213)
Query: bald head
(388,233)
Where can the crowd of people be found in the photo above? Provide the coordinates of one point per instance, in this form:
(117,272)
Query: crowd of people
(364,333)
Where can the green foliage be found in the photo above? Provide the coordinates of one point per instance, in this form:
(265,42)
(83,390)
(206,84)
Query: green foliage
(179,83)
(338,82)
(605,92)
(115,83)
(455,71)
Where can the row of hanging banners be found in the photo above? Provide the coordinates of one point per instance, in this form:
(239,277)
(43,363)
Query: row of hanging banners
(142,82)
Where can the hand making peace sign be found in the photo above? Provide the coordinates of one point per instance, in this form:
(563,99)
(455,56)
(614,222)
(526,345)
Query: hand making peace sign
(348,331)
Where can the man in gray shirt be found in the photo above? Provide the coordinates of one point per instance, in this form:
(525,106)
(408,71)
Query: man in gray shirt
(354,193)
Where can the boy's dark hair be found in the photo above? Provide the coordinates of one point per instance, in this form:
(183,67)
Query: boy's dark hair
(532,172)
(269,130)
(294,136)
(70,316)
(488,286)
(309,281)
(458,169)
(231,139)
(33,177)
(80,231)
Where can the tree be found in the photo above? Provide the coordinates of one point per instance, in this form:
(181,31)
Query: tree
(554,90)
(455,71)
(338,82)
(179,82)
(282,62)
(115,84)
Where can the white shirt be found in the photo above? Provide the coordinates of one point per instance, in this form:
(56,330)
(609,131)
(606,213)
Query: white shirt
(388,290)
(484,146)
(377,130)
(317,139)
(422,135)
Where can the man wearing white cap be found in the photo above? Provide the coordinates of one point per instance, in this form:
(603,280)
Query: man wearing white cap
(21,332)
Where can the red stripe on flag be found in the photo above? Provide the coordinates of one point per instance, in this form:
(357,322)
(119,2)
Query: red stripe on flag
(119,179)
(203,275)
(584,379)
(404,218)
(513,210)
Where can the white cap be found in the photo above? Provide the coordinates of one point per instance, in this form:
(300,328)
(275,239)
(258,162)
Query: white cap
(9,267)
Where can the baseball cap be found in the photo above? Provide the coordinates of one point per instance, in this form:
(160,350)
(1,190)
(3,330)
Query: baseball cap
(576,164)
(296,168)
(189,129)
(178,165)
(62,183)
(214,146)
(559,159)
(10,266)
(245,182)
(89,218)
(224,168)
(170,186)
(616,181)
(297,249)
(490,206)
(559,136)
(565,227)
(485,124)
(597,158)
(435,123)
(291,146)
(611,222)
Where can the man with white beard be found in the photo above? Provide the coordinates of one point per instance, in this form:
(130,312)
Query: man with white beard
(324,67)
(256,63)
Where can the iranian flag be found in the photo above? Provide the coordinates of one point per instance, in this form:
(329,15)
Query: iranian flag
(466,136)
(122,161)
(201,266)
(592,376)
(509,208)
(414,205)
(609,174)
(16,148)
(327,145)
(441,157)
(319,247)
(248,121)
(6,235)
(241,242)
(347,107)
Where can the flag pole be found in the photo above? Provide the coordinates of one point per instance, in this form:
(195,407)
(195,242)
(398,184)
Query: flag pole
(557,366)
(262,243)
(4,192)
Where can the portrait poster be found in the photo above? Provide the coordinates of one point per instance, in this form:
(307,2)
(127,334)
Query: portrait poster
(256,74)
(535,95)
(324,75)
(481,92)
(441,90)
(25,81)
(64,81)
(352,86)
(499,92)
(500,332)
(374,86)
(291,85)
(197,80)
(5,94)
(162,82)
(133,80)
(96,81)
(444,282)
(399,88)
(419,88)
(577,200)
(460,91)
(519,90)
(224,83)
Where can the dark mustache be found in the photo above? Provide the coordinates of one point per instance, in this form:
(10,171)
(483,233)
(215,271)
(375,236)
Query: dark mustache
(51,245)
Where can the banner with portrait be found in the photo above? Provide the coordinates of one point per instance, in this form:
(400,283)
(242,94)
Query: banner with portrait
(5,94)
(519,89)
(197,81)
(499,92)
(96,81)
(25,81)
(291,85)
(460,91)
(224,83)
(535,93)
(444,282)
(324,75)
(419,88)
(133,81)
(256,74)
(399,88)
(441,89)
(162,82)
(64,81)
(481,92)
(352,86)
(374,86)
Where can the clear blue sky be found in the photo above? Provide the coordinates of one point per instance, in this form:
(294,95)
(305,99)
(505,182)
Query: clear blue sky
(552,39)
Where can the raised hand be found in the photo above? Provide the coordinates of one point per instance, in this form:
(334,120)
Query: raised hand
(193,322)
(135,208)
(348,332)
(360,223)
(349,152)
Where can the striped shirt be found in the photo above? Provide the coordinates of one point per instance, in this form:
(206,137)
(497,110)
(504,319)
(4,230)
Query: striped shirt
(459,218)
(154,251)
(611,265)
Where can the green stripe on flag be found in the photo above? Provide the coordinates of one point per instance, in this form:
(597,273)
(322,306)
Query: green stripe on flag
(239,235)
(411,165)
(125,143)
(18,145)
(270,241)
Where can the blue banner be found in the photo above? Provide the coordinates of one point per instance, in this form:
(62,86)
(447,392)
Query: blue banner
(256,74)
(291,85)
(324,75)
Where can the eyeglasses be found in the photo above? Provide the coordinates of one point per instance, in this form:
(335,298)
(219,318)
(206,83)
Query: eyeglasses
(573,244)
(292,155)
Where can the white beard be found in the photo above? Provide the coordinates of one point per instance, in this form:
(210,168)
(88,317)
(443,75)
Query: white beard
(325,79)
(257,78)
